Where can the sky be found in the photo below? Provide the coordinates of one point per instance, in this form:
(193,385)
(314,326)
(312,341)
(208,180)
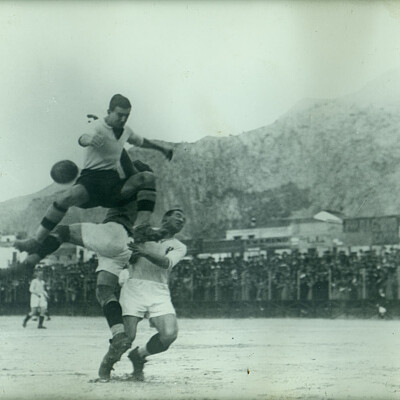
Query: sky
(191,69)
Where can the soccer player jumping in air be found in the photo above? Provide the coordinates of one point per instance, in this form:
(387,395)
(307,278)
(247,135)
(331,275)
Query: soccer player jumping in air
(100,182)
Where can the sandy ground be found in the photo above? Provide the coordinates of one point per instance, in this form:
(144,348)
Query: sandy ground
(212,359)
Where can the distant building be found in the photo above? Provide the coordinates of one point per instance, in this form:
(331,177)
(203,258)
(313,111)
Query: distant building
(8,256)
(68,254)
(7,238)
(323,231)
(334,217)
(372,231)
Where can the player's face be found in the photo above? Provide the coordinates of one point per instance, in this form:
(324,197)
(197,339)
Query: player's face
(118,117)
(175,222)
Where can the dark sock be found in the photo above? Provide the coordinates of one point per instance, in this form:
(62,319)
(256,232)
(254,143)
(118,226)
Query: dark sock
(49,245)
(113,313)
(154,345)
(41,319)
(63,233)
(54,214)
(145,205)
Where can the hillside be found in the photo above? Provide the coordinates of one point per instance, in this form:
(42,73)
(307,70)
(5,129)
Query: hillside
(340,154)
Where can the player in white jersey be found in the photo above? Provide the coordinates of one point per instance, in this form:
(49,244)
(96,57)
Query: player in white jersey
(38,301)
(146,293)
(101,182)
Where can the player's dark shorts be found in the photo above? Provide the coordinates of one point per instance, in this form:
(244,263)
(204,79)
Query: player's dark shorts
(104,188)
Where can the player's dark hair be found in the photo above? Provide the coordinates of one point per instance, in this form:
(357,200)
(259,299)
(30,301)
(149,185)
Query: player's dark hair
(119,101)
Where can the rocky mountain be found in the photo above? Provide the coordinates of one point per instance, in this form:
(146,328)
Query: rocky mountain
(341,154)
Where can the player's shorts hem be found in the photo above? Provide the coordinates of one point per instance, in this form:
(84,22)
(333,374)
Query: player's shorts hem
(103,186)
(144,314)
(161,314)
(131,314)
(142,298)
(113,271)
(36,302)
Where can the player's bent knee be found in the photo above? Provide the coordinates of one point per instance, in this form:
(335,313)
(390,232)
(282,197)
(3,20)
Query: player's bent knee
(148,179)
(107,279)
(168,337)
(140,181)
(156,344)
(105,294)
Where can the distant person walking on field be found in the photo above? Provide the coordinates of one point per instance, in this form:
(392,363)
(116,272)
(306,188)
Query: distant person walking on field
(38,302)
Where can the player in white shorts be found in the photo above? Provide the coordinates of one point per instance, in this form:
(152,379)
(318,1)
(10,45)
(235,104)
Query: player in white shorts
(145,292)
(38,301)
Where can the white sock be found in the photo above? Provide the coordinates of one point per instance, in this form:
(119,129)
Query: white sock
(143,352)
(117,328)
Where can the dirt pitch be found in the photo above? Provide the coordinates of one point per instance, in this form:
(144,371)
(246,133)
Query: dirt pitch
(212,359)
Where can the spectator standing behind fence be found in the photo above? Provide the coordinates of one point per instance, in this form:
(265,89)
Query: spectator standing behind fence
(354,276)
(38,301)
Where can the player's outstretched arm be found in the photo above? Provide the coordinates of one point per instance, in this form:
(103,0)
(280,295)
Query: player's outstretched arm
(167,152)
(95,140)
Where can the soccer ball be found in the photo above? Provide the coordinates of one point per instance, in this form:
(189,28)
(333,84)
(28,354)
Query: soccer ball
(64,171)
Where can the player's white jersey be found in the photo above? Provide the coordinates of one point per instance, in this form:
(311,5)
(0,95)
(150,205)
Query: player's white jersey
(144,269)
(38,294)
(37,287)
(108,155)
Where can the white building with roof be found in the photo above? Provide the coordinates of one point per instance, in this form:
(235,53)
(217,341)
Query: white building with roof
(322,232)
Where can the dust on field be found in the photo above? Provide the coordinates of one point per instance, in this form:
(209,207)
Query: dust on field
(211,359)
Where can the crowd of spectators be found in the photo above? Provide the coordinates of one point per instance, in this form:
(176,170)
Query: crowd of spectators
(287,275)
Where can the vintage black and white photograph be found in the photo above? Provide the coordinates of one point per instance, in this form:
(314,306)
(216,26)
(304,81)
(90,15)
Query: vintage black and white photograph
(200,200)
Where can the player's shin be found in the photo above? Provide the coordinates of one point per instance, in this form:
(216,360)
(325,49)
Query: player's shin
(111,308)
(54,214)
(153,346)
(49,245)
(120,341)
(113,313)
(139,354)
(146,200)
(41,319)
(27,318)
